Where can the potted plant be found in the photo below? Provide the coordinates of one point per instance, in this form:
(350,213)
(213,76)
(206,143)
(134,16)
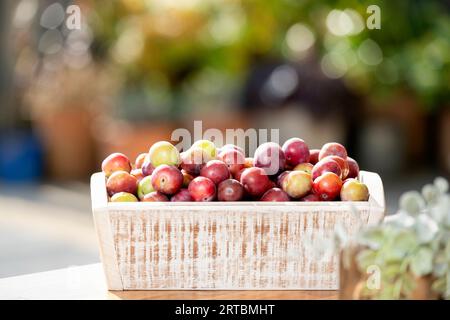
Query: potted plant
(407,256)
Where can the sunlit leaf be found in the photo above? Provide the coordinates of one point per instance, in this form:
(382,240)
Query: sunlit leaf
(422,262)
(412,202)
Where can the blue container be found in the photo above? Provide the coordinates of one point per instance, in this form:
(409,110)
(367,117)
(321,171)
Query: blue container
(20,156)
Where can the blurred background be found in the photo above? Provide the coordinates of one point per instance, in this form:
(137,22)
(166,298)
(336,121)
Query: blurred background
(135,70)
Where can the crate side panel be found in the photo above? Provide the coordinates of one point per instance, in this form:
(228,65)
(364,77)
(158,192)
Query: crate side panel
(227,249)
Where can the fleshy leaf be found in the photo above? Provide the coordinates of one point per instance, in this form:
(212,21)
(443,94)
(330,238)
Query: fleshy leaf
(402,244)
(391,271)
(402,219)
(373,237)
(426,228)
(412,202)
(422,262)
(366,258)
(447,251)
(440,269)
(442,184)
(430,193)
(440,211)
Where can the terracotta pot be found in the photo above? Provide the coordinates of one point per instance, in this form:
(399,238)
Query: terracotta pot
(67,141)
(352,282)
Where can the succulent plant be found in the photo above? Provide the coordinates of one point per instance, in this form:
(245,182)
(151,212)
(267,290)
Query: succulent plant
(412,244)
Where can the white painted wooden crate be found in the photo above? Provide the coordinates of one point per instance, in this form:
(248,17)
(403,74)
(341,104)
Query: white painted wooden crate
(220,245)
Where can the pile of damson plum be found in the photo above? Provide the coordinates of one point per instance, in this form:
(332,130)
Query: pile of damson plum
(291,172)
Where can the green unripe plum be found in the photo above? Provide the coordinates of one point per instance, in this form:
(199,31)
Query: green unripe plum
(206,146)
(297,184)
(145,187)
(164,152)
(124,197)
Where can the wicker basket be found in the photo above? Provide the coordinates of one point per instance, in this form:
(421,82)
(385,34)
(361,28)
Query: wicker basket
(220,245)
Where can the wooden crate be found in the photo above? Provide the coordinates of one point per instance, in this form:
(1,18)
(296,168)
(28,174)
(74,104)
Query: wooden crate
(224,245)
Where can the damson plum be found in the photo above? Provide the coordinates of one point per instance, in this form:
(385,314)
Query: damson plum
(327,186)
(343,164)
(163,152)
(147,168)
(145,186)
(187,178)
(306,167)
(140,159)
(238,175)
(271,185)
(182,196)
(193,160)
(231,146)
(310,197)
(155,196)
(234,159)
(333,149)
(167,179)
(202,189)
(296,151)
(275,195)
(314,156)
(297,184)
(270,157)
(121,181)
(353,190)
(326,165)
(230,190)
(115,162)
(353,167)
(255,181)
(207,146)
(123,197)
(281,177)
(215,170)
(138,174)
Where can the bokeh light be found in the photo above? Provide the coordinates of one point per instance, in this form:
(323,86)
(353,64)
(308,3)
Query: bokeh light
(370,52)
(334,65)
(24,13)
(282,82)
(129,46)
(51,42)
(343,23)
(53,16)
(299,38)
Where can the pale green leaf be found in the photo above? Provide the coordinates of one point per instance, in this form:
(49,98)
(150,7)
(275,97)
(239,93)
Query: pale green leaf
(442,184)
(426,228)
(412,202)
(366,258)
(422,262)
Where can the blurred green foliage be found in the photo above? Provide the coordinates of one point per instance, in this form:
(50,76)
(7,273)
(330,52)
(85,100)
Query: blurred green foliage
(166,49)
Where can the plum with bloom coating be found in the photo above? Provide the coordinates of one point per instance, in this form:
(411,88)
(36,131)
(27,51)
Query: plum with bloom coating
(202,189)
